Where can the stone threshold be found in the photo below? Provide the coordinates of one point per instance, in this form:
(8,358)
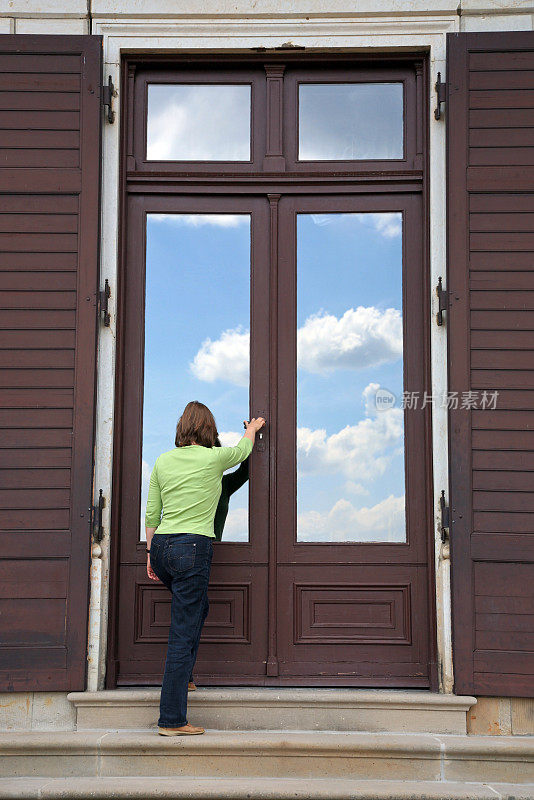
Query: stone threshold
(269,755)
(146,788)
(239,708)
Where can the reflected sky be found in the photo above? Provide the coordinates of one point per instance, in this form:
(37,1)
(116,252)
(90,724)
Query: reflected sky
(197,287)
(350,456)
(343,121)
(199,122)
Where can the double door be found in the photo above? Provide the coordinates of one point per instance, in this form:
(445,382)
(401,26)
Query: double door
(310,310)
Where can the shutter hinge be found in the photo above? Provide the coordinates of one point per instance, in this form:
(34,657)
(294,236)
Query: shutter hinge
(444,508)
(103,310)
(108,92)
(97,527)
(441,92)
(443,298)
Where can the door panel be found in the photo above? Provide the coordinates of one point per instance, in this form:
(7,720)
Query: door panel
(197,267)
(352,555)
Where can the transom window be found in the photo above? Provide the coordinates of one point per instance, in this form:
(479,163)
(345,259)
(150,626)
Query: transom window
(275,117)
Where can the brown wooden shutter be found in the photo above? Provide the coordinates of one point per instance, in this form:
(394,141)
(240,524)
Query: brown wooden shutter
(49,211)
(490,155)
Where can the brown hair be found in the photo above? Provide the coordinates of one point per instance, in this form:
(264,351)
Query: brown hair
(196,426)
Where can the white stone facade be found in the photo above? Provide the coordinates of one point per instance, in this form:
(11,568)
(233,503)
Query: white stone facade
(231,25)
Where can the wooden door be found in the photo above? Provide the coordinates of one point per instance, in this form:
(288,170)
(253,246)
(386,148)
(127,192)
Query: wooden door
(351,605)
(50,118)
(169,237)
(490,320)
(353,513)
(329,579)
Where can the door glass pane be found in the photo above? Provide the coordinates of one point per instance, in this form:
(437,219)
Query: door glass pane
(197,336)
(350,121)
(198,122)
(350,441)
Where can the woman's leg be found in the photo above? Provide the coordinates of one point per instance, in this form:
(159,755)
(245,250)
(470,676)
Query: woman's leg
(197,643)
(187,558)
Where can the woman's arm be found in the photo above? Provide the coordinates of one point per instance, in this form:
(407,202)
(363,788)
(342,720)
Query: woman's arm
(154,503)
(233,481)
(149,534)
(230,456)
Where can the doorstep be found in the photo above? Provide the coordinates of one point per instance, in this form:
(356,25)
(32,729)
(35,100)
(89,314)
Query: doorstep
(403,711)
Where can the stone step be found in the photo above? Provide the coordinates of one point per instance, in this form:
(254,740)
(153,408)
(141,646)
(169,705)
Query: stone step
(269,754)
(410,711)
(146,788)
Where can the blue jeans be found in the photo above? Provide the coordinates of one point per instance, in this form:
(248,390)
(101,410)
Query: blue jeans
(182,562)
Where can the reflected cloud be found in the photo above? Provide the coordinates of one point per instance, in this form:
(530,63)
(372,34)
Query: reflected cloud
(199,220)
(387,224)
(198,122)
(383,522)
(236,525)
(226,358)
(345,121)
(360,452)
(362,337)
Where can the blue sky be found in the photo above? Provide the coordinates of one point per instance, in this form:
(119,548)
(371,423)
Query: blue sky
(349,343)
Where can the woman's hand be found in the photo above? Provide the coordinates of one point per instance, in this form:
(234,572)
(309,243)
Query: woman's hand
(253,427)
(149,571)
(255,424)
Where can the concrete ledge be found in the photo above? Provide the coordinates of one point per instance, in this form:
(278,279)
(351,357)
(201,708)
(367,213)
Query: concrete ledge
(269,755)
(282,709)
(258,788)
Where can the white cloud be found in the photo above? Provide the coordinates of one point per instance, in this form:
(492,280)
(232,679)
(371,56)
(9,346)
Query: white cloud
(383,522)
(230,438)
(360,452)
(362,337)
(236,525)
(355,488)
(387,223)
(226,358)
(202,122)
(199,220)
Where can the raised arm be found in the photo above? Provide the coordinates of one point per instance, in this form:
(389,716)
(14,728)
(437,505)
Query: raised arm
(230,456)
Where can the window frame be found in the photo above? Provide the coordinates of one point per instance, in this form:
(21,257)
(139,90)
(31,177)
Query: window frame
(266,117)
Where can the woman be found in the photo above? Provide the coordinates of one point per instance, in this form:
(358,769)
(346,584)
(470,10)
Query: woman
(185,486)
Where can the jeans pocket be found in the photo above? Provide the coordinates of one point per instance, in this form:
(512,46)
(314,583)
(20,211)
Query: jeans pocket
(181,557)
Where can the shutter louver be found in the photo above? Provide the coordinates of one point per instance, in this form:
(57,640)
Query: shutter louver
(490,166)
(50,89)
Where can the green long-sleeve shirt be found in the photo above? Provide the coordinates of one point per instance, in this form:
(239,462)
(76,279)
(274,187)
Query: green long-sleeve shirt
(185,485)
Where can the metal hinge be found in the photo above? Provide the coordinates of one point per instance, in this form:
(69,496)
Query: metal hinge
(97,527)
(103,297)
(444,508)
(443,298)
(441,92)
(108,92)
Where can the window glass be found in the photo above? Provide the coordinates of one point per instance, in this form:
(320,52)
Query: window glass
(350,121)
(198,122)
(350,439)
(197,336)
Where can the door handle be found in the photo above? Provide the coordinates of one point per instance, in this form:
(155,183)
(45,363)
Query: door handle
(260,436)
